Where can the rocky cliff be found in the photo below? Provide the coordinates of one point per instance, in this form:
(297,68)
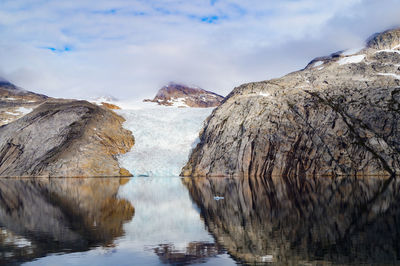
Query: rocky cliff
(183,96)
(62,138)
(338,116)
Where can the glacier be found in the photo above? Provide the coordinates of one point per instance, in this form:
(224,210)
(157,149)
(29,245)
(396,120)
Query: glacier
(164,137)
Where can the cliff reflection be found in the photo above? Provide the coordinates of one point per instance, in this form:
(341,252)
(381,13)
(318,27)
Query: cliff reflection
(42,216)
(301,220)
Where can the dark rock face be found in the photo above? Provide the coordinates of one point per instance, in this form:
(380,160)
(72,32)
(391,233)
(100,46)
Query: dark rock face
(338,116)
(181,95)
(59,215)
(63,138)
(302,220)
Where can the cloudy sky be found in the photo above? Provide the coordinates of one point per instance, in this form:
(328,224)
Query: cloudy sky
(130,48)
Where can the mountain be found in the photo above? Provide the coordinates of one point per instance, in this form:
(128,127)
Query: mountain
(180,95)
(43,136)
(10,92)
(338,116)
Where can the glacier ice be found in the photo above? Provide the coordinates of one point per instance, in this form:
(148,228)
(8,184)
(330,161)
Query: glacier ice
(164,137)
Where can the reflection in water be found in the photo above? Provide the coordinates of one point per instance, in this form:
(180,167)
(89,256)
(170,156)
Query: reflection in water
(90,221)
(167,223)
(301,220)
(42,216)
(195,252)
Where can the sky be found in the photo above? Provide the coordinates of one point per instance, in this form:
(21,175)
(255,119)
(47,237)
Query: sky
(128,49)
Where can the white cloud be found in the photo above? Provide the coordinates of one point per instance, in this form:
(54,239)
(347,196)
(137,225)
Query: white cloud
(131,48)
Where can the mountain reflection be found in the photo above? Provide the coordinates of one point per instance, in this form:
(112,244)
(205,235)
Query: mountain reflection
(196,252)
(289,221)
(42,216)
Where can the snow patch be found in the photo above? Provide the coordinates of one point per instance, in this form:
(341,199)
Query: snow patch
(390,74)
(351,59)
(264,94)
(388,51)
(320,68)
(24,110)
(352,51)
(318,63)
(178,102)
(11,113)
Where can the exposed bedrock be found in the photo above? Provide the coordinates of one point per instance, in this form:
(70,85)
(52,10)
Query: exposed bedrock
(338,116)
(64,138)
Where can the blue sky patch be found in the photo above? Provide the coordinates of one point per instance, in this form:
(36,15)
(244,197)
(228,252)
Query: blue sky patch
(65,49)
(210,19)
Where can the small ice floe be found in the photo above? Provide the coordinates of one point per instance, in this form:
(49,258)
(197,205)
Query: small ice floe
(390,74)
(218,198)
(267,258)
(351,59)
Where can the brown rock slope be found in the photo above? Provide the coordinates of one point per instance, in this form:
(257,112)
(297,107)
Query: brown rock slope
(182,95)
(339,115)
(62,138)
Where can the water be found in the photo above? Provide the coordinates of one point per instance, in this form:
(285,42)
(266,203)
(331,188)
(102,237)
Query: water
(156,220)
(91,222)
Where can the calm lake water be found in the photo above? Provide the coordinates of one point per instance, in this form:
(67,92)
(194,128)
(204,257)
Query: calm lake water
(213,221)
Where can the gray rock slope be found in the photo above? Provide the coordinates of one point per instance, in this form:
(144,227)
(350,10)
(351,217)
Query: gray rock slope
(338,116)
(61,138)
